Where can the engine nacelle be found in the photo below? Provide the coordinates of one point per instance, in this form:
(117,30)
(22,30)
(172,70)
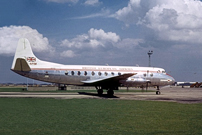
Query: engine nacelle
(135,81)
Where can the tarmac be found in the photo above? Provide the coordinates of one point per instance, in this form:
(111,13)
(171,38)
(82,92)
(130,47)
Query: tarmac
(168,94)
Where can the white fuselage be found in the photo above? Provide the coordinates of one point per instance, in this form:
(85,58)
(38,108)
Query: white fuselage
(76,74)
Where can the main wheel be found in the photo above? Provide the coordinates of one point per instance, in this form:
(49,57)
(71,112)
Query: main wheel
(100,91)
(110,93)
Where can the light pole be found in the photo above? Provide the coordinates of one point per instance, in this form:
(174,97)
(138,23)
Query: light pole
(150,53)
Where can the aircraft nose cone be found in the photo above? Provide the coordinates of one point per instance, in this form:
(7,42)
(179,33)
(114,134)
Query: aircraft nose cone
(173,81)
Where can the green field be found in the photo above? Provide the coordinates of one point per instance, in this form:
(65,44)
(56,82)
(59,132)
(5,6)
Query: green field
(97,116)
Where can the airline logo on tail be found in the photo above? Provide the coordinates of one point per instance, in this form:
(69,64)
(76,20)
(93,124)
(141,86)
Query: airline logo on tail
(32,60)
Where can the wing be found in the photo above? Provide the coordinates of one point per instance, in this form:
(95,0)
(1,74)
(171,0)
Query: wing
(113,80)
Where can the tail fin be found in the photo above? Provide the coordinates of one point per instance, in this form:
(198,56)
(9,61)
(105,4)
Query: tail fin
(23,56)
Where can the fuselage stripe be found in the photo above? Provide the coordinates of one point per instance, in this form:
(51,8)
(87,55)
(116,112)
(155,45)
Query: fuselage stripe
(56,69)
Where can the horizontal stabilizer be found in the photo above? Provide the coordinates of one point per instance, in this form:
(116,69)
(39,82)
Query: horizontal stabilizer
(21,65)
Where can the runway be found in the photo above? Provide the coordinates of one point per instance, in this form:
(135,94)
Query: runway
(174,94)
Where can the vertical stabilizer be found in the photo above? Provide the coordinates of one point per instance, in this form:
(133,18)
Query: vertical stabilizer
(23,55)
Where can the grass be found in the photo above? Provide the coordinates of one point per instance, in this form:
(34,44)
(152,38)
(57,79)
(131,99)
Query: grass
(97,117)
(9,89)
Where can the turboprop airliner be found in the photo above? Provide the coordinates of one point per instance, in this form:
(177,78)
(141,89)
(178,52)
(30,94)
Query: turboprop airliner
(108,78)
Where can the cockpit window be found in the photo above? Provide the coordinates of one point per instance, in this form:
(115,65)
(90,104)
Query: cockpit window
(161,71)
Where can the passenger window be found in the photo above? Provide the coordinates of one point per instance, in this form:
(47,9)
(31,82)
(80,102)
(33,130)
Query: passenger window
(144,75)
(119,73)
(85,73)
(66,73)
(99,73)
(106,73)
(93,73)
(79,73)
(112,73)
(72,72)
(151,75)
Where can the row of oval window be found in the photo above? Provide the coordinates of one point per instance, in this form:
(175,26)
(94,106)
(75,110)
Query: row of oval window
(99,73)
(92,73)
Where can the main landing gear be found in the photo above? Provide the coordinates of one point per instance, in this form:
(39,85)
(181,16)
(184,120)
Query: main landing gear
(99,92)
(110,92)
(158,91)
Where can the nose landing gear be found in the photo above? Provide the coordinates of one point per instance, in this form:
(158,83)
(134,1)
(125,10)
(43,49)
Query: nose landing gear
(158,91)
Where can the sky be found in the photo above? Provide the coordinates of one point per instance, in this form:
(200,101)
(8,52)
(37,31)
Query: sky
(101,32)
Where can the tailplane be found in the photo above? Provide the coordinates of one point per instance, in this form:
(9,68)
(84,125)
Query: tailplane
(24,57)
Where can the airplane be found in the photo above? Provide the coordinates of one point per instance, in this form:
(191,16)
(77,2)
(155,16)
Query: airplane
(108,78)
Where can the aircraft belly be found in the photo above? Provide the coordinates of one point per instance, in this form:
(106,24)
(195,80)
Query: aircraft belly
(74,80)
(54,78)
(62,79)
(133,83)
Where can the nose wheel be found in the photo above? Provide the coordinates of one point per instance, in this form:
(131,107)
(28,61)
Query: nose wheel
(158,91)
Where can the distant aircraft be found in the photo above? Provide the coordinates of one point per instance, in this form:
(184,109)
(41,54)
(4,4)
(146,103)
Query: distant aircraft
(109,78)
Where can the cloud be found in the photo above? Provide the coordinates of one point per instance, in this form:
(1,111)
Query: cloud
(130,14)
(9,37)
(129,43)
(101,35)
(63,1)
(67,53)
(179,20)
(176,21)
(93,39)
(97,41)
(102,13)
(92,2)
